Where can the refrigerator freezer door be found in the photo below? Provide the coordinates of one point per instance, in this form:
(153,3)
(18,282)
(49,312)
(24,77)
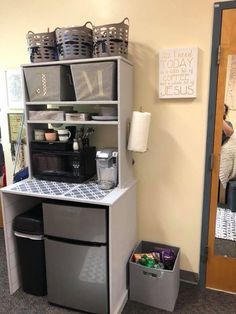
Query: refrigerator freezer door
(74,222)
(76,276)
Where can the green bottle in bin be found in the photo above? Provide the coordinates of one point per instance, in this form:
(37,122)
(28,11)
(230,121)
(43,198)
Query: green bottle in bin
(146,261)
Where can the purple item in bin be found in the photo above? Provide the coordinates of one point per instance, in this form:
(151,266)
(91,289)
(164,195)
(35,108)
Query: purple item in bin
(165,256)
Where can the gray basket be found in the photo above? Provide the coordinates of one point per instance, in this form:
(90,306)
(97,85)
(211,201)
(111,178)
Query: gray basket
(49,83)
(42,46)
(95,81)
(111,39)
(74,42)
(155,287)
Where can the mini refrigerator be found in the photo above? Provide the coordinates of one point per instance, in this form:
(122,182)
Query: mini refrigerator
(76,256)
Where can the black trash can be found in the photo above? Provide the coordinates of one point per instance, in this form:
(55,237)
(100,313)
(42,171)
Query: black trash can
(28,229)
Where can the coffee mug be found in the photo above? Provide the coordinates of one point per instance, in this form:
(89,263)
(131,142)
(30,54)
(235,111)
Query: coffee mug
(50,136)
(64,135)
(39,135)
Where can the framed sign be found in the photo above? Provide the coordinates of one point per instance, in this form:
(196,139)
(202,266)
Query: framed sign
(14,88)
(178,73)
(15,121)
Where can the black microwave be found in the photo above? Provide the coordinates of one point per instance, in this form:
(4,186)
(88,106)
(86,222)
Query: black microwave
(60,163)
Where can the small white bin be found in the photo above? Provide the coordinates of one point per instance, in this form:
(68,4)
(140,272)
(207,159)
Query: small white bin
(77,116)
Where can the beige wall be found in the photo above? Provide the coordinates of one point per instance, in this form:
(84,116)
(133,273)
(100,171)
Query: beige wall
(171,174)
(232,117)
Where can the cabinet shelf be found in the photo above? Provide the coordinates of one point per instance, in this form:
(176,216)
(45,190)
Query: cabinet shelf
(87,60)
(94,102)
(91,122)
(107,133)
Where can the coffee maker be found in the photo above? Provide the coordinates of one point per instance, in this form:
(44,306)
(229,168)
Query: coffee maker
(107,168)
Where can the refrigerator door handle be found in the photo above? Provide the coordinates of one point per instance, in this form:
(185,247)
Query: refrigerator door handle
(29,236)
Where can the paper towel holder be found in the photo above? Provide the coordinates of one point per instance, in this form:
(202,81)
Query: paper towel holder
(128,131)
(140,117)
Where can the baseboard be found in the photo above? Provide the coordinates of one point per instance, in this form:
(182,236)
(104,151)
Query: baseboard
(188,276)
(122,303)
(229,292)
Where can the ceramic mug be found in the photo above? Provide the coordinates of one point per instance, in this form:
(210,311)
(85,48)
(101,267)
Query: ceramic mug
(39,135)
(51,136)
(64,135)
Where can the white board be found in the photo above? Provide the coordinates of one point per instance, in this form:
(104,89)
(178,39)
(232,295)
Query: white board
(178,73)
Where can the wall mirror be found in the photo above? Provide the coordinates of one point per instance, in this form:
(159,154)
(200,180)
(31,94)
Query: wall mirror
(218,245)
(225,225)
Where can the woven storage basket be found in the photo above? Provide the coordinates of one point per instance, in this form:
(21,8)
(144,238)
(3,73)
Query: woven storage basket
(111,39)
(42,46)
(74,42)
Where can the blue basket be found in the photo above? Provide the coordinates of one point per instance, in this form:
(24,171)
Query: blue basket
(21,175)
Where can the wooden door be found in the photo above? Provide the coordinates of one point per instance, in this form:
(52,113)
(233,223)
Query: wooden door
(221,270)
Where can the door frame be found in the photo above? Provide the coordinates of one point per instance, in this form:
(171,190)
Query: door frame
(218,9)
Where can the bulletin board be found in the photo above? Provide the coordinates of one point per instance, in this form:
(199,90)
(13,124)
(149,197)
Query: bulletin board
(15,123)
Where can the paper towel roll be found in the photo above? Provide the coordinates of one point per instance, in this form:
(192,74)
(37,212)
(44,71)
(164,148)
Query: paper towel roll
(139,130)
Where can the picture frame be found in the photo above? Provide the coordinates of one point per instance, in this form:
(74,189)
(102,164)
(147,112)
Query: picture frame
(178,73)
(14,87)
(15,121)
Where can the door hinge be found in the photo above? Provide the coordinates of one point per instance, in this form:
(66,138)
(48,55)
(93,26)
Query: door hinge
(205,254)
(211,163)
(218,55)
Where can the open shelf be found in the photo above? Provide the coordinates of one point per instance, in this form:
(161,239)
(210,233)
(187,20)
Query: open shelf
(91,122)
(107,133)
(93,102)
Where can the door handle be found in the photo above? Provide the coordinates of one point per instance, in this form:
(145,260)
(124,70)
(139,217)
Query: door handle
(211,161)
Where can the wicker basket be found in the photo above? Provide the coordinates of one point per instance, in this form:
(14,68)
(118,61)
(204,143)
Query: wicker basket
(74,42)
(111,39)
(42,46)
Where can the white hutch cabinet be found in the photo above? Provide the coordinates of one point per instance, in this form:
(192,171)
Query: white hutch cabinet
(119,203)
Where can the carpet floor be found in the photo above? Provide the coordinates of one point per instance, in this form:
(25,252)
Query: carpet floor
(191,299)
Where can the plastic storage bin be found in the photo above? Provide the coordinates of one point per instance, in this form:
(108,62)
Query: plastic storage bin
(28,230)
(42,46)
(111,39)
(49,83)
(74,42)
(155,287)
(94,81)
